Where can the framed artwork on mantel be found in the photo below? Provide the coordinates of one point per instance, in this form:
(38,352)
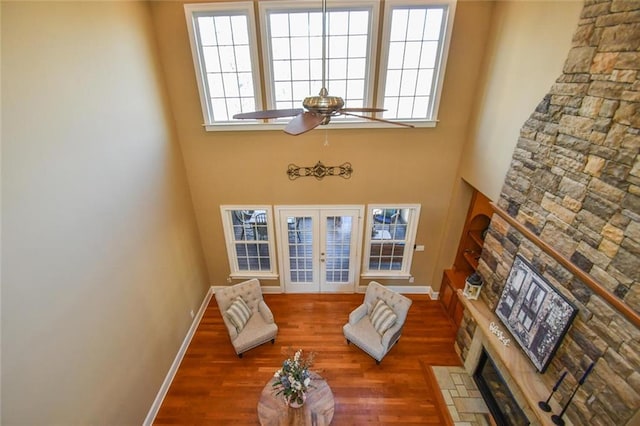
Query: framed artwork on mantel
(534,312)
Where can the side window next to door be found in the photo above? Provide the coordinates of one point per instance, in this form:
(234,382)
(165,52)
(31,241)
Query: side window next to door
(389,240)
(248,232)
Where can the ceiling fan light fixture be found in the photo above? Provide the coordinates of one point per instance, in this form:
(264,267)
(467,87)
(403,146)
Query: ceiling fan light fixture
(323,104)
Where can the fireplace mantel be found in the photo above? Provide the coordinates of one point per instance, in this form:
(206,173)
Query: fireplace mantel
(524,382)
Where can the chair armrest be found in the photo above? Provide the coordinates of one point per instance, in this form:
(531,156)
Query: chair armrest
(233,333)
(357,314)
(265,312)
(391,335)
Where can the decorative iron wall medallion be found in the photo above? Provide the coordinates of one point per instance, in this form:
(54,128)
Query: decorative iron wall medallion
(319,171)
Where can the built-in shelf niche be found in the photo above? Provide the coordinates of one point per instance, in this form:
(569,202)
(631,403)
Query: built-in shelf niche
(467,255)
(470,248)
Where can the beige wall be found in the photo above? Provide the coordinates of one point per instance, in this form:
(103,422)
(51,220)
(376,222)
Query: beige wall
(403,166)
(528,45)
(101,260)
(0,223)
(525,52)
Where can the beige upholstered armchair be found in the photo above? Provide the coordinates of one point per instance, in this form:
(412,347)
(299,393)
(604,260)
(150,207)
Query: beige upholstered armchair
(376,325)
(248,319)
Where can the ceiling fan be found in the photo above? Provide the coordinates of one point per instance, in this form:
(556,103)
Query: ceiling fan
(317,109)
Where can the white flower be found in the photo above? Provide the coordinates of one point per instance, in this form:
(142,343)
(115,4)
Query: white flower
(292,378)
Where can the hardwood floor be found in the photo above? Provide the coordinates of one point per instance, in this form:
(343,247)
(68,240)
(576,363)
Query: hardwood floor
(214,386)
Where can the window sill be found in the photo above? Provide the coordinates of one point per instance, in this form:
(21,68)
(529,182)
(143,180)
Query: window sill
(335,125)
(261,276)
(395,276)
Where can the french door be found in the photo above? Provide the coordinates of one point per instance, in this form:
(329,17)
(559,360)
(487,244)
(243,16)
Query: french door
(319,248)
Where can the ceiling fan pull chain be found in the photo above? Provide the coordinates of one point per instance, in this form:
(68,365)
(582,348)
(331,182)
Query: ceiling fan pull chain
(324,45)
(326,137)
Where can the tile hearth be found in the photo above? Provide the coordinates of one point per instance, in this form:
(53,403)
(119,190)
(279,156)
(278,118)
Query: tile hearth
(464,402)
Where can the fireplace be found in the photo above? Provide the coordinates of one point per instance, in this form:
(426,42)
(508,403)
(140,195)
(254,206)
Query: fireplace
(503,406)
(505,376)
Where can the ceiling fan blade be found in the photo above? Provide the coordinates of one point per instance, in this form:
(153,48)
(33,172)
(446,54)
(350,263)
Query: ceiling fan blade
(269,113)
(362,110)
(397,123)
(303,123)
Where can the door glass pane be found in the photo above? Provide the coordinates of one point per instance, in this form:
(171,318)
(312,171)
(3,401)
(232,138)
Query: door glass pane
(299,234)
(338,248)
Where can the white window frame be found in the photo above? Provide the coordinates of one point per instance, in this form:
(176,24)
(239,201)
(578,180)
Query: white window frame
(380,58)
(410,239)
(267,7)
(441,59)
(231,242)
(192,12)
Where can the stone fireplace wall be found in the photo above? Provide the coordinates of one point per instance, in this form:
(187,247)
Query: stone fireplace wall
(574,181)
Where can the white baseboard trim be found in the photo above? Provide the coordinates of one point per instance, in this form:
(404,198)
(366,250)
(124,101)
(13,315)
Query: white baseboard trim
(157,403)
(426,289)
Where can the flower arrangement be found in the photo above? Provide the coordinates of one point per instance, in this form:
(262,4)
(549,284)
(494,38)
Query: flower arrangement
(294,378)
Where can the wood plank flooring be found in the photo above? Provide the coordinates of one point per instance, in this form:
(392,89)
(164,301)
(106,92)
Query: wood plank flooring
(214,386)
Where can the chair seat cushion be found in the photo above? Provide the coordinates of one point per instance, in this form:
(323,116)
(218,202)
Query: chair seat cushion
(255,332)
(238,313)
(366,337)
(382,317)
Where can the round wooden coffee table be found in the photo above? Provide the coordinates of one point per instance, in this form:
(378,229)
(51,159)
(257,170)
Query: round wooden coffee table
(316,411)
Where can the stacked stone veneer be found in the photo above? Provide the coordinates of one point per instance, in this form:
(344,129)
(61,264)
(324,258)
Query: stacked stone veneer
(574,181)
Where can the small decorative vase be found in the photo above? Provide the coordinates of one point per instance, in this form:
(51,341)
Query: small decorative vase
(294,401)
